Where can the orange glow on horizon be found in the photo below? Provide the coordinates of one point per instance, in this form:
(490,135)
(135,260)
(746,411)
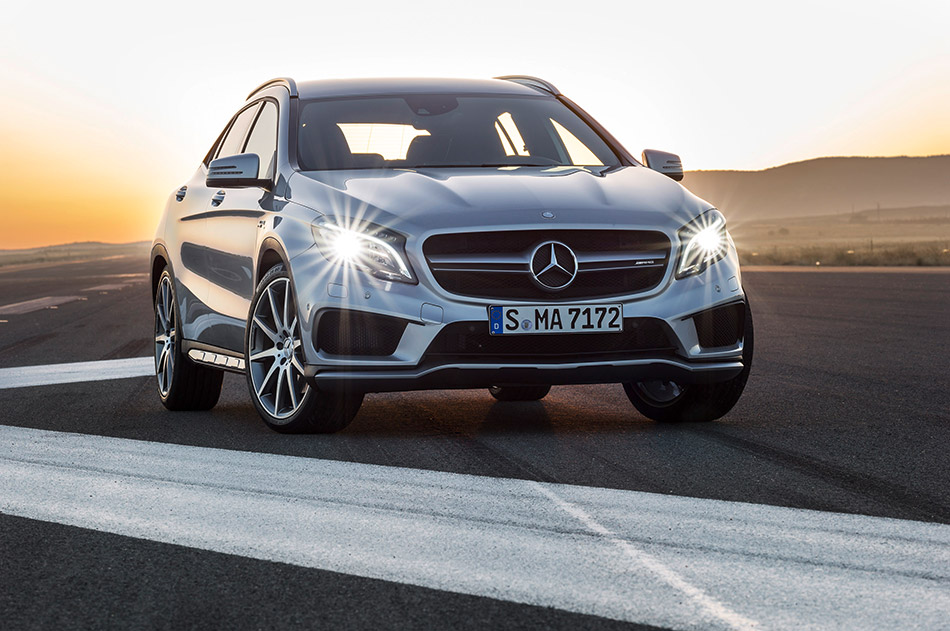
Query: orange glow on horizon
(65,197)
(106,115)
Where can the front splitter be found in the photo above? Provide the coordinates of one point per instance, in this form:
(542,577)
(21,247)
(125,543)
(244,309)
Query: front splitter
(460,375)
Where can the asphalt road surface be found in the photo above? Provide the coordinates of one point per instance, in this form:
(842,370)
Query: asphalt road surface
(821,501)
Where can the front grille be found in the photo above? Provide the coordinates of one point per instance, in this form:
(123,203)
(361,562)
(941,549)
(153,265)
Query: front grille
(498,264)
(471,341)
(354,333)
(722,326)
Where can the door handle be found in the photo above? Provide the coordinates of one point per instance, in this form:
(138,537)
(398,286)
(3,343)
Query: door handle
(217,199)
(180,195)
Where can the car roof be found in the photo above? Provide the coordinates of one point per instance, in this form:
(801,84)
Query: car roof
(335,88)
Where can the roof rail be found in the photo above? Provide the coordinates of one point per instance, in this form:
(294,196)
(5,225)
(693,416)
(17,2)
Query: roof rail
(287,82)
(532,82)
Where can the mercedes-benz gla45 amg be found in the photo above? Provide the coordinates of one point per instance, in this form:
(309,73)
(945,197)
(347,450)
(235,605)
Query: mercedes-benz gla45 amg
(353,236)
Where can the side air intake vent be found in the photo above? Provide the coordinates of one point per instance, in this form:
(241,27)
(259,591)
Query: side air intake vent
(722,326)
(354,333)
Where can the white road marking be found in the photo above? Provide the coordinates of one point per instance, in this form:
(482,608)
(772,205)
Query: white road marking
(51,374)
(29,306)
(110,287)
(720,565)
(130,279)
(713,607)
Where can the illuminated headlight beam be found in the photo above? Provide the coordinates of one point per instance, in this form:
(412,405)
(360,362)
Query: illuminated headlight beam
(371,248)
(704,240)
(345,245)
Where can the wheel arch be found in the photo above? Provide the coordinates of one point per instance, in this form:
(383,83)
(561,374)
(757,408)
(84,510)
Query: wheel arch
(159,260)
(271,253)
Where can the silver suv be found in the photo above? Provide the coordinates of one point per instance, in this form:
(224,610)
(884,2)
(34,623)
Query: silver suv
(352,236)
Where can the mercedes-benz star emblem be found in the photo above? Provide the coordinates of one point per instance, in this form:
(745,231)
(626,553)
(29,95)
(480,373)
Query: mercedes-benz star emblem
(553,265)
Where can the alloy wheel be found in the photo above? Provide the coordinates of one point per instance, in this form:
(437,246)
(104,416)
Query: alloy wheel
(275,357)
(165,335)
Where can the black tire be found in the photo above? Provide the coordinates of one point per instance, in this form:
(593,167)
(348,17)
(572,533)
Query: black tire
(519,393)
(694,402)
(307,411)
(189,385)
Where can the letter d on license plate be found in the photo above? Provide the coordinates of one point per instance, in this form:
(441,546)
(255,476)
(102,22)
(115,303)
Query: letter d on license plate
(522,320)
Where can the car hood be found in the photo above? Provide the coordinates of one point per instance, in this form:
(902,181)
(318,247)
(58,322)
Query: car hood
(423,200)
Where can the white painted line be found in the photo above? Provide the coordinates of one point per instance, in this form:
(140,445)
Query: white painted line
(28,306)
(51,374)
(673,562)
(112,287)
(141,276)
(711,606)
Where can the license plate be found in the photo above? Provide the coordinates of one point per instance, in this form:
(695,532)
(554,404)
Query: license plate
(521,320)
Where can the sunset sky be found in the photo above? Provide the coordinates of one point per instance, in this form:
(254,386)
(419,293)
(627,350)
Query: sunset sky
(107,108)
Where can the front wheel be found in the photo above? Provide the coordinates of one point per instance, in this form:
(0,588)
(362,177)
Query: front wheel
(275,372)
(671,402)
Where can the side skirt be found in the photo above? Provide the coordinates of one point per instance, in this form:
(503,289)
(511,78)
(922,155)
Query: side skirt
(208,355)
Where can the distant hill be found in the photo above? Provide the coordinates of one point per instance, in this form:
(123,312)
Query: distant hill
(825,186)
(83,250)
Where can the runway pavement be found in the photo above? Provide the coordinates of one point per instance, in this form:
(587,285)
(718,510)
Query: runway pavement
(581,513)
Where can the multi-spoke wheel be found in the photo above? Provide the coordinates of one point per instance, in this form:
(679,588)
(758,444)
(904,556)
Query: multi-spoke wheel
(275,371)
(182,384)
(165,334)
(670,402)
(275,360)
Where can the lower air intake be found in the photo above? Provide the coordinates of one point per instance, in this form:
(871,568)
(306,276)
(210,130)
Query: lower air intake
(354,333)
(471,341)
(722,326)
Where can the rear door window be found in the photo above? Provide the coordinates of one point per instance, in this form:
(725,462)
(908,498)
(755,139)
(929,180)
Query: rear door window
(233,141)
(263,139)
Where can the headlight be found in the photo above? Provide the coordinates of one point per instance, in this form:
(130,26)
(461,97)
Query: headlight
(368,247)
(703,242)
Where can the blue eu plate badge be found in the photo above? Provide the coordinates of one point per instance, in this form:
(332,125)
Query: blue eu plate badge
(495,319)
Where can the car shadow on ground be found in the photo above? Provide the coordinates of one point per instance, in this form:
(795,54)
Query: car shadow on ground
(573,410)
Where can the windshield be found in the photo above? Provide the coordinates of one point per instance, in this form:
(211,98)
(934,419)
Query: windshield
(420,130)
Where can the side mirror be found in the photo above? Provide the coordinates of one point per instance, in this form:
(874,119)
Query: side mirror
(669,164)
(236,171)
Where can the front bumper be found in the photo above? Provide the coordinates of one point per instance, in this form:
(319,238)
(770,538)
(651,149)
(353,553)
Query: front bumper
(428,310)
